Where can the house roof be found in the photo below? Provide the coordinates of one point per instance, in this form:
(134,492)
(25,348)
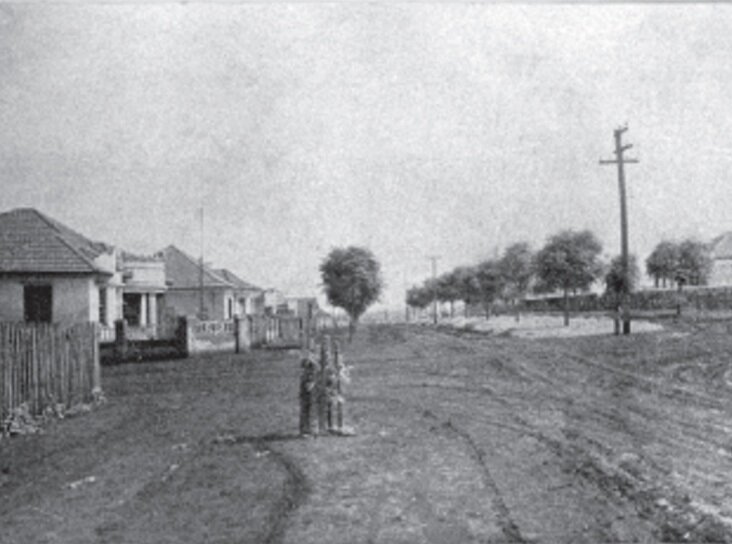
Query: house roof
(32,242)
(722,246)
(183,272)
(236,280)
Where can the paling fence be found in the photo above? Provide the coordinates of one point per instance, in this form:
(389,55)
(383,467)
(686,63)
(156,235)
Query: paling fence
(275,331)
(44,365)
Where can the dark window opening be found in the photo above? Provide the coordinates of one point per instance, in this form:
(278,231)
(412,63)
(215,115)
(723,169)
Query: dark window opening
(38,303)
(132,308)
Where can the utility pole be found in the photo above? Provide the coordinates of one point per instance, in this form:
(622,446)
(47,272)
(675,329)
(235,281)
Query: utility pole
(621,161)
(201,311)
(434,259)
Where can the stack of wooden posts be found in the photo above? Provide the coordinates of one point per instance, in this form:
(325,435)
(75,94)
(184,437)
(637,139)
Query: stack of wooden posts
(323,374)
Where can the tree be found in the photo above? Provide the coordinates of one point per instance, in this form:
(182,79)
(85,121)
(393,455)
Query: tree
(448,290)
(490,283)
(352,281)
(516,268)
(468,285)
(694,263)
(663,262)
(569,260)
(418,297)
(615,281)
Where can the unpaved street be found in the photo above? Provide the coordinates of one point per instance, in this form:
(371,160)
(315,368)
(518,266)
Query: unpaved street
(461,438)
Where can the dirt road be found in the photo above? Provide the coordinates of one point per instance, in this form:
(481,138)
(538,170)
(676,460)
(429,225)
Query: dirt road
(461,438)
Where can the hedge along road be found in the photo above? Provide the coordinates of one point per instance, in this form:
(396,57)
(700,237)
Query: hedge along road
(461,438)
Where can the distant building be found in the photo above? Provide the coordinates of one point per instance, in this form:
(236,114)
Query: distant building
(305,307)
(249,298)
(275,302)
(721,253)
(186,280)
(144,289)
(50,273)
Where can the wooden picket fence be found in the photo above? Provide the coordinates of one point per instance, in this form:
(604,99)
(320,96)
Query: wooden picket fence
(47,364)
(275,331)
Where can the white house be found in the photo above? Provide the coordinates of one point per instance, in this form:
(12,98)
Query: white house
(51,273)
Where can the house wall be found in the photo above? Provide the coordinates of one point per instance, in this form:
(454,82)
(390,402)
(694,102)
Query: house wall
(273,299)
(75,299)
(721,273)
(144,276)
(114,306)
(250,303)
(11,300)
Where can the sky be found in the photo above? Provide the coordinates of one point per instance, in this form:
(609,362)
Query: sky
(413,129)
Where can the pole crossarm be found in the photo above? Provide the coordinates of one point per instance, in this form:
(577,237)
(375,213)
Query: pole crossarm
(616,161)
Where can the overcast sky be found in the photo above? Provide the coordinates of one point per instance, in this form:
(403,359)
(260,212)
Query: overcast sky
(413,129)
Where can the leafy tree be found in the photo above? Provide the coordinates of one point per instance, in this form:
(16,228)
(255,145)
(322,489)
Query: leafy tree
(466,280)
(615,281)
(694,263)
(448,290)
(569,261)
(352,281)
(418,297)
(516,268)
(663,262)
(490,283)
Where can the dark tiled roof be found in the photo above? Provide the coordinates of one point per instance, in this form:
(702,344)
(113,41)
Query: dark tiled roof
(32,242)
(722,246)
(183,271)
(236,280)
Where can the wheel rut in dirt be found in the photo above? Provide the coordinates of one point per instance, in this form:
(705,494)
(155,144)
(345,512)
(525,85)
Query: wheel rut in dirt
(506,522)
(296,485)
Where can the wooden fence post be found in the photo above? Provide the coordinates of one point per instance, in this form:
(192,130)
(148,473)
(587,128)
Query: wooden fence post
(96,363)
(120,340)
(322,397)
(237,334)
(339,369)
(181,337)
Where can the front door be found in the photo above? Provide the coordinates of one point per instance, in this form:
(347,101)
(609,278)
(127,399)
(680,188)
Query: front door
(38,303)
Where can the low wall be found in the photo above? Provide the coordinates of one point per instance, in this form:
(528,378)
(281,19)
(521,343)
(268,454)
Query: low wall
(197,336)
(126,346)
(212,336)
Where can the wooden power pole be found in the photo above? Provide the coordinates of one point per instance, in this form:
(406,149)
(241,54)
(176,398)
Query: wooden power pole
(621,161)
(201,304)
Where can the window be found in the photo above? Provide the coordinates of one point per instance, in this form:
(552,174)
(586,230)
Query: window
(38,303)
(132,308)
(229,308)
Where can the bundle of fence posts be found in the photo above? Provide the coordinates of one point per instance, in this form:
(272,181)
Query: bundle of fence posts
(322,376)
